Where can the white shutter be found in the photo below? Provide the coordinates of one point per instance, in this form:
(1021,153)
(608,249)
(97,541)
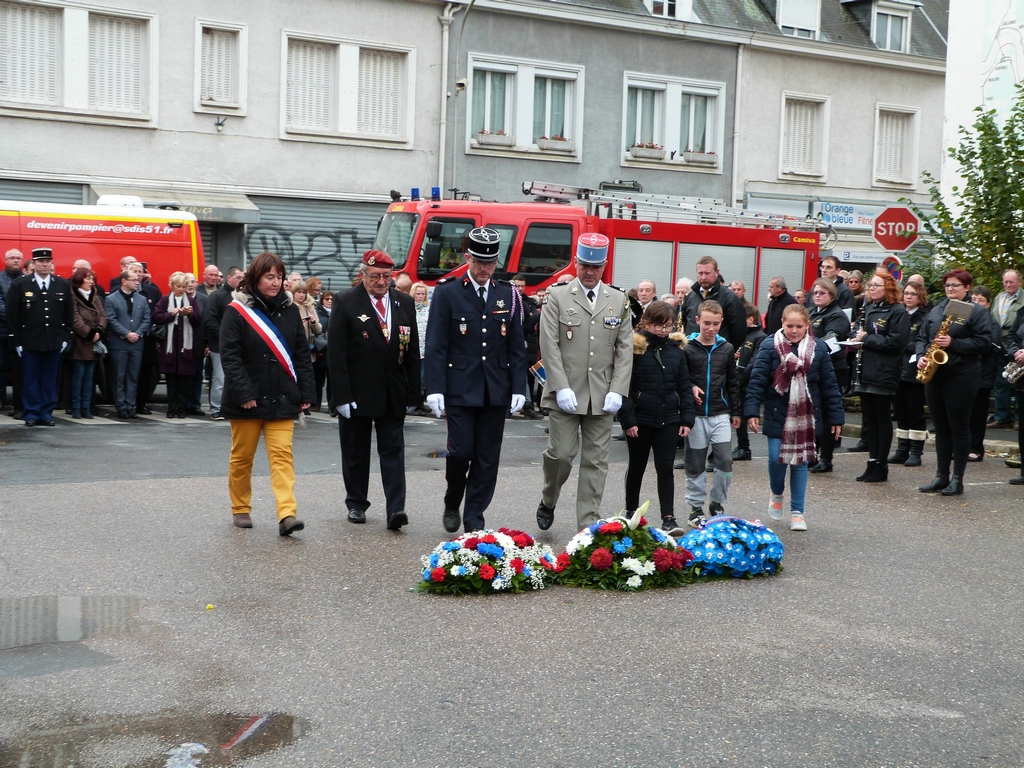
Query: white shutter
(801,14)
(310,85)
(380,92)
(116,63)
(801,137)
(778,262)
(893,132)
(220,66)
(29,50)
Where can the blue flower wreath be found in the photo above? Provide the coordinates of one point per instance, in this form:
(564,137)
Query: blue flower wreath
(731,546)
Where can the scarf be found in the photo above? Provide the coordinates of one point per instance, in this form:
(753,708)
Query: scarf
(186,325)
(791,378)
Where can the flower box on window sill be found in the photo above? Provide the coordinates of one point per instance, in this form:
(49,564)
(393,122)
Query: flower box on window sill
(701,158)
(556,145)
(495,140)
(647,153)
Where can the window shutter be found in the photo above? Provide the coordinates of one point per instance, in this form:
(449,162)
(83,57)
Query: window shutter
(220,62)
(802,14)
(893,131)
(380,93)
(116,63)
(29,47)
(310,85)
(801,137)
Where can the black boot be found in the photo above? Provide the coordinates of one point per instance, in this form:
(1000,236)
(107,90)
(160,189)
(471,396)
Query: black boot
(936,485)
(914,457)
(872,468)
(1019,480)
(860,447)
(881,473)
(902,452)
(955,487)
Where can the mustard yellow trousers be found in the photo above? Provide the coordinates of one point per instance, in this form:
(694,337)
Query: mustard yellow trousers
(277,437)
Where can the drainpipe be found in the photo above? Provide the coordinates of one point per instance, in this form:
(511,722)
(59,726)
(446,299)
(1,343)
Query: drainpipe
(736,127)
(442,128)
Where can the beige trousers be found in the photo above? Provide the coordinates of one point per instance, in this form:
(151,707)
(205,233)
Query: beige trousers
(564,431)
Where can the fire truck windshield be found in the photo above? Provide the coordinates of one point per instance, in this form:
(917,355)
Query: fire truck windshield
(395,234)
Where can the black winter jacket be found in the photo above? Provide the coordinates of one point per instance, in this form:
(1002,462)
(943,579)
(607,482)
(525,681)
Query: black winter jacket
(1016,344)
(888,329)
(773,316)
(216,302)
(251,370)
(970,339)
(832,319)
(660,392)
(910,368)
(714,371)
(734,322)
(821,381)
(748,352)
(844,296)
(989,359)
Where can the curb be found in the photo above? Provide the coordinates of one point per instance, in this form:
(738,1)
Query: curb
(993,446)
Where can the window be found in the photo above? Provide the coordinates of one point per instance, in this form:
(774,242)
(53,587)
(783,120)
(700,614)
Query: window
(394,236)
(343,90)
(435,261)
(546,249)
(29,50)
(491,92)
(70,63)
(524,108)
(797,32)
(666,8)
(804,135)
(508,236)
(895,145)
(221,54)
(799,18)
(675,122)
(891,31)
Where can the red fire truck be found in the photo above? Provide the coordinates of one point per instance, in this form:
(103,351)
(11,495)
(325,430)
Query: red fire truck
(654,237)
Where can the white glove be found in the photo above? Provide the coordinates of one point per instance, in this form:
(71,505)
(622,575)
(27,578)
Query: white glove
(612,402)
(566,400)
(63,346)
(518,401)
(18,350)
(345,411)
(436,404)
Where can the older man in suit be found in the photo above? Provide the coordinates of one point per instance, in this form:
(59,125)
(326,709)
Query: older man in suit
(586,341)
(128,319)
(373,352)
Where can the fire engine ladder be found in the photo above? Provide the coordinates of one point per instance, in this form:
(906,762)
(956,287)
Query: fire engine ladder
(668,208)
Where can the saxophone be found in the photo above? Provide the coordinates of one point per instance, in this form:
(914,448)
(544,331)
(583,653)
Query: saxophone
(1013,371)
(936,355)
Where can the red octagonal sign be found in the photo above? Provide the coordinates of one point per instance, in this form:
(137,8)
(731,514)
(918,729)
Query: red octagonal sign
(896,228)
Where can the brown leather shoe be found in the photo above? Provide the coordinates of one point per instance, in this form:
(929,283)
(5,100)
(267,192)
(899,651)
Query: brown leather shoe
(290,525)
(242,520)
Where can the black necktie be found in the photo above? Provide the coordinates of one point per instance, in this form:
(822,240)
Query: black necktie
(483,294)
(590,295)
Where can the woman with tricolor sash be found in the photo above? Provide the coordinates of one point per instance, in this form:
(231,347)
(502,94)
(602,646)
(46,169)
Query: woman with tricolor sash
(268,379)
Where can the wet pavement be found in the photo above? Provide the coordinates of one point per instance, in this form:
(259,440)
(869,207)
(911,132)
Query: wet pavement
(140,628)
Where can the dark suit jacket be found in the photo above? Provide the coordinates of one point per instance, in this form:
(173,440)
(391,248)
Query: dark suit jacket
(469,343)
(38,321)
(773,317)
(121,322)
(366,368)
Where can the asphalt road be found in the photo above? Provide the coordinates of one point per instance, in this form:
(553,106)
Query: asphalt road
(892,638)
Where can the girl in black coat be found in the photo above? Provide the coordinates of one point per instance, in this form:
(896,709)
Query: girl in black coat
(908,405)
(830,324)
(265,386)
(883,334)
(659,409)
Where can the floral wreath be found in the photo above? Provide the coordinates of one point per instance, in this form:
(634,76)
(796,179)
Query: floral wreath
(485,562)
(732,546)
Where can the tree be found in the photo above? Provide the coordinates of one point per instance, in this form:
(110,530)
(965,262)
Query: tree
(983,231)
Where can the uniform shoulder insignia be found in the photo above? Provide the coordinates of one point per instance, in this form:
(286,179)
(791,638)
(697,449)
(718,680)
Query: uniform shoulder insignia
(614,286)
(442,281)
(502,282)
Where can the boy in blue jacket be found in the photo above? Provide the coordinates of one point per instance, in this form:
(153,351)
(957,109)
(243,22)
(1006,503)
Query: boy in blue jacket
(712,363)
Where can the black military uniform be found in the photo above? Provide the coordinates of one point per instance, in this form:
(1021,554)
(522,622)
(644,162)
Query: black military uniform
(476,363)
(40,321)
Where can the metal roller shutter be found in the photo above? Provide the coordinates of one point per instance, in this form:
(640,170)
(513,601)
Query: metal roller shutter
(315,237)
(780,262)
(637,260)
(41,192)
(734,262)
(206,231)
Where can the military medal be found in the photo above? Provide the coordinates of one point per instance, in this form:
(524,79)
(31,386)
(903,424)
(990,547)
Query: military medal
(499,303)
(568,334)
(462,328)
(503,329)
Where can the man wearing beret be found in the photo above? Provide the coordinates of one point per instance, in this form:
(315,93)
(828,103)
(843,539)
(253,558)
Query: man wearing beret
(40,321)
(373,353)
(476,371)
(586,341)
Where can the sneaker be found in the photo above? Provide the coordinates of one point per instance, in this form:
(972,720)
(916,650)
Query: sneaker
(668,523)
(715,509)
(797,523)
(216,416)
(775,507)
(696,519)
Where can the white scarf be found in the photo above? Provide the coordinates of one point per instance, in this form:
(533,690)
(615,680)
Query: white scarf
(186,325)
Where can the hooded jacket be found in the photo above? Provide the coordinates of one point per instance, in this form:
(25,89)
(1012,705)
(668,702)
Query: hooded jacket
(660,392)
(714,371)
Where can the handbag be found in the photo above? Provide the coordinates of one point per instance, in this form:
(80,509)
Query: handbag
(158,332)
(319,342)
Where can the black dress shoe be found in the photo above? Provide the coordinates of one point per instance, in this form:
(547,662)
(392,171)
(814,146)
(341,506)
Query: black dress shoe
(822,466)
(619,436)
(1017,480)
(860,447)
(144,410)
(936,485)
(122,414)
(545,516)
(397,520)
(196,412)
(290,525)
(131,414)
(181,414)
(30,422)
(452,520)
(741,454)
(356,516)
(955,487)
(17,414)
(48,422)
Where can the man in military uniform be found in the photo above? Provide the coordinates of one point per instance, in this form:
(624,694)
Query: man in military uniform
(586,341)
(40,320)
(373,351)
(476,371)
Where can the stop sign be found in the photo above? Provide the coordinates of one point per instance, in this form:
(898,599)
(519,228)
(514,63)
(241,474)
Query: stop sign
(896,228)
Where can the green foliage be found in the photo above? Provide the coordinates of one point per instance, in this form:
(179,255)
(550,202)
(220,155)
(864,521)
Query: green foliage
(984,231)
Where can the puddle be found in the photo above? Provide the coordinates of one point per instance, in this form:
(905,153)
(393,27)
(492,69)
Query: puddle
(59,619)
(158,741)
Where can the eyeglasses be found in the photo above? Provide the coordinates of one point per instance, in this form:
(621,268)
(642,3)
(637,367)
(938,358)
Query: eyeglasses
(820,293)
(377,278)
(953,285)
(663,327)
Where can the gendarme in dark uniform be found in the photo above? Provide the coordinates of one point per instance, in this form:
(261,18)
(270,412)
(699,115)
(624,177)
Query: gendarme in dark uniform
(40,320)
(475,370)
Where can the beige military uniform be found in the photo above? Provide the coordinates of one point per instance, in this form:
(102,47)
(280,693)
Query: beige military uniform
(587,348)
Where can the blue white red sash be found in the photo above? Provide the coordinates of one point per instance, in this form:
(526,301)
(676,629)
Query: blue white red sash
(270,333)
